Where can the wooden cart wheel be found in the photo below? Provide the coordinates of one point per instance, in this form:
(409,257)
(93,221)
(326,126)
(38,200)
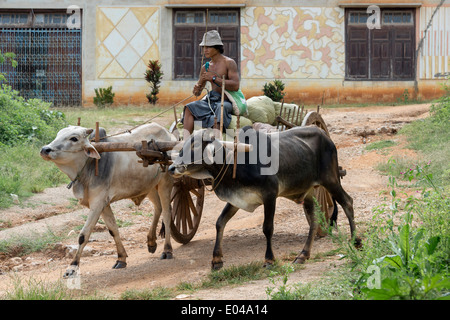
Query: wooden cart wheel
(314,118)
(187,198)
(320,193)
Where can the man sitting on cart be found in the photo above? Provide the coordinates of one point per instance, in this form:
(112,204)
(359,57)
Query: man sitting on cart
(208,109)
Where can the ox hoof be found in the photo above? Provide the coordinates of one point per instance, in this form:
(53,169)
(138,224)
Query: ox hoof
(358,243)
(268,265)
(166,255)
(300,260)
(216,265)
(151,249)
(119,265)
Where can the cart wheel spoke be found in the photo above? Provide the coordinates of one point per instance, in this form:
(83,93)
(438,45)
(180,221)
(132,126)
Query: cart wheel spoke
(187,198)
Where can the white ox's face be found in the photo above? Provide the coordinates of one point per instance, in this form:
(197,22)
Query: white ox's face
(69,144)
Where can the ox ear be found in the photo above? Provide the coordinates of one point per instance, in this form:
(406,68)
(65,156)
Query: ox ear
(91,152)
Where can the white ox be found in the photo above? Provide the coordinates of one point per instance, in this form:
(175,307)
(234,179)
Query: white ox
(120,177)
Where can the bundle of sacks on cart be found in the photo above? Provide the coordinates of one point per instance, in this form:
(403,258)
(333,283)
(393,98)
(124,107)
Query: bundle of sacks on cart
(261,109)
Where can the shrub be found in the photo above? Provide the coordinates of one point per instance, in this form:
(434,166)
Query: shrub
(153,76)
(104,97)
(7,56)
(26,120)
(274,91)
(407,247)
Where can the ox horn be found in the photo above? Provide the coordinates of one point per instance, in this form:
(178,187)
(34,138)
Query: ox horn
(241,147)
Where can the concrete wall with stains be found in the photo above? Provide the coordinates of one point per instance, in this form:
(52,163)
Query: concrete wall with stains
(300,44)
(298,41)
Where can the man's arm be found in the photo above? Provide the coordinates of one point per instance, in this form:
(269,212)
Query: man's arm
(233,82)
(198,88)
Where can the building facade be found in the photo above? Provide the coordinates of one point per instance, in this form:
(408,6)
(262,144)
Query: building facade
(324,51)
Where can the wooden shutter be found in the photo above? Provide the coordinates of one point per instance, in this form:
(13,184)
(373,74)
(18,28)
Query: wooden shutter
(380,55)
(357,53)
(184,52)
(403,53)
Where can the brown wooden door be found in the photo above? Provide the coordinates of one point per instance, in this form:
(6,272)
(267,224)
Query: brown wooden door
(380,54)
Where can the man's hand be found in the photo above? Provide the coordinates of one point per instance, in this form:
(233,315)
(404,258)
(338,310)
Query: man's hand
(206,76)
(198,89)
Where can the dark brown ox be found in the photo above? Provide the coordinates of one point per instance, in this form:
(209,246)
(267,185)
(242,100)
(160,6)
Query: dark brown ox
(283,164)
(120,177)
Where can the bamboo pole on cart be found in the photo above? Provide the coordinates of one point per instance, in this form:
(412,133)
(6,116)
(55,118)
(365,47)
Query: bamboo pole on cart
(221,104)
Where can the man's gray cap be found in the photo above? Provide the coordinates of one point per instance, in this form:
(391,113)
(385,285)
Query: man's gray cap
(211,38)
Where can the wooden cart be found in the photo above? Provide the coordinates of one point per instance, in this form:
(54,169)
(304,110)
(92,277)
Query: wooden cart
(188,194)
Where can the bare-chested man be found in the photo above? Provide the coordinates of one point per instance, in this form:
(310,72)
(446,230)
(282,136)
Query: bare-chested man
(206,109)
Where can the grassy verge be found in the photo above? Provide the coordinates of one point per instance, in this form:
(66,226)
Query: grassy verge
(406,246)
(117,117)
(19,245)
(23,172)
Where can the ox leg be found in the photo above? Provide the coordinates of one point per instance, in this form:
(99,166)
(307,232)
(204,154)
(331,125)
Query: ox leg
(110,222)
(308,206)
(164,192)
(346,203)
(83,238)
(227,213)
(269,212)
(151,236)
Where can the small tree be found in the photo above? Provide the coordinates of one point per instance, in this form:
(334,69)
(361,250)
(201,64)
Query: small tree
(104,97)
(153,76)
(274,91)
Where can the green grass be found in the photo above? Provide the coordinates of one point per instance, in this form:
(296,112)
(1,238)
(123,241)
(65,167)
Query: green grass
(23,172)
(229,276)
(116,117)
(20,245)
(431,138)
(379,145)
(33,289)
(158,293)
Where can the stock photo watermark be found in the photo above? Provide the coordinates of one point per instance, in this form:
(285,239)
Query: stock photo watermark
(264,151)
(74,20)
(374,20)
(73,282)
(374,280)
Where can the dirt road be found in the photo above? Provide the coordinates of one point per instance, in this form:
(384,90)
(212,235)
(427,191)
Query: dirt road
(244,241)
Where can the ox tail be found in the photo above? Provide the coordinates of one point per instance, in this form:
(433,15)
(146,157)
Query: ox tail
(162,231)
(333,219)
